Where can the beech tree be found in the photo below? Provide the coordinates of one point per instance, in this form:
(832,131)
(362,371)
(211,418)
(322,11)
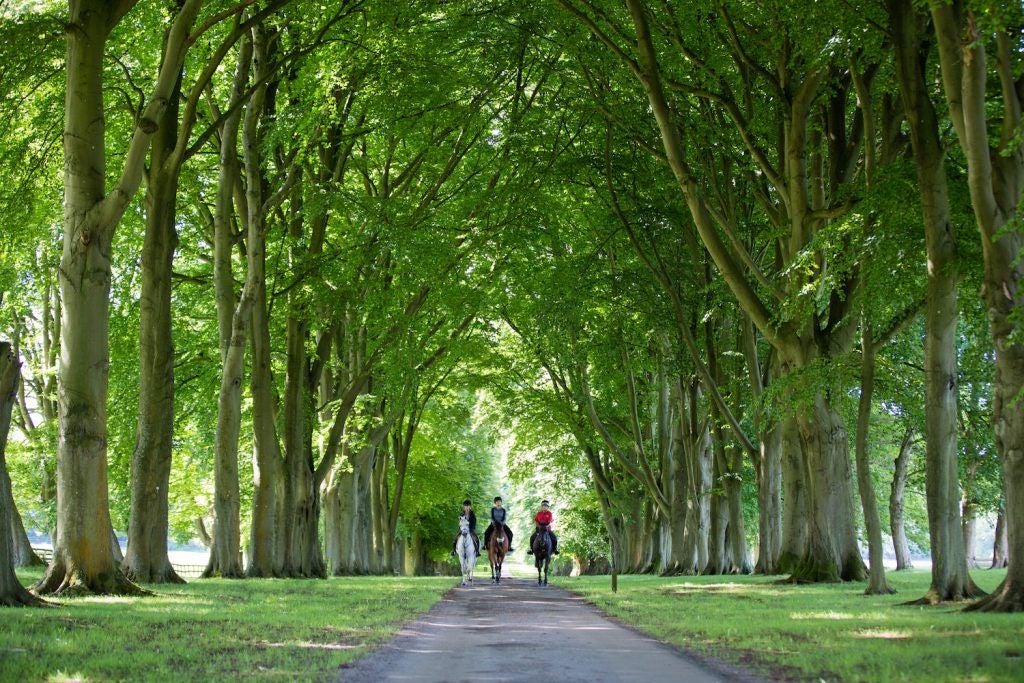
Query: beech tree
(995,169)
(950,580)
(82,559)
(660,260)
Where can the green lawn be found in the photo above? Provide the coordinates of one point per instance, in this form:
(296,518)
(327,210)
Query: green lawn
(822,632)
(305,630)
(212,630)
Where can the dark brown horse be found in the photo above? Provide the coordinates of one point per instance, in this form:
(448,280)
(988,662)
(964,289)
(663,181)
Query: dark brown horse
(542,554)
(497,548)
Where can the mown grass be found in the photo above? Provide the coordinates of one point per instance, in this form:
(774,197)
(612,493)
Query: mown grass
(820,632)
(212,630)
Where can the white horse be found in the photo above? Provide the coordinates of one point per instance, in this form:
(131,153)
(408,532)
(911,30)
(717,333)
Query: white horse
(466,550)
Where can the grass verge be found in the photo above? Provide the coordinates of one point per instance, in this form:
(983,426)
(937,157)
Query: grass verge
(819,632)
(212,630)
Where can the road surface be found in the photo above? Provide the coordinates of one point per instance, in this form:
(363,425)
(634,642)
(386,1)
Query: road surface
(519,632)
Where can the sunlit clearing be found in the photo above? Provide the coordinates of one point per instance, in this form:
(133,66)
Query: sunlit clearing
(697,587)
(838,616)
(884,635)
(113,599)
(61,677)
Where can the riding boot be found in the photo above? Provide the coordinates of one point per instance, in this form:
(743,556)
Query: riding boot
(508,532)
(554,544)
(529,550)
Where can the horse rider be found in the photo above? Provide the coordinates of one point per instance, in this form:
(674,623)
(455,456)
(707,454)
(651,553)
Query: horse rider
(467,512)
(498,517)
(543,519)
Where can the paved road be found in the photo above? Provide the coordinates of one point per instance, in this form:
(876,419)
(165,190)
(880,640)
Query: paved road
(519,632)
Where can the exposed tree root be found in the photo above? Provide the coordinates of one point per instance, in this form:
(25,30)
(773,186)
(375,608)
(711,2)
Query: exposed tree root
(1006,598)
(23,598)
(934,597)
(164,574)
(215,568)
(69,581)
(809,570)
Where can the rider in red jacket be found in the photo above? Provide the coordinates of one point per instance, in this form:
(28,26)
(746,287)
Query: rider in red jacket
(543,518)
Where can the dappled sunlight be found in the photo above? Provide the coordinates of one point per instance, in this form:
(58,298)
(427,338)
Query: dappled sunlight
(316,646)
(61,677)
(834,616)
(750,591)
(882,634)
(110,599)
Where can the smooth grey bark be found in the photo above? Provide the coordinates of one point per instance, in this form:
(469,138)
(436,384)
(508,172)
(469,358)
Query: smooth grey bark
(767,463)
(12,593)
(794,498)
(995,178)
(950,578)
(267,465)
(877,585)
(82,561)
(349,509)
(233,321)
(146,558)
(897,492)
(999,553)
(969,513)
(21,547)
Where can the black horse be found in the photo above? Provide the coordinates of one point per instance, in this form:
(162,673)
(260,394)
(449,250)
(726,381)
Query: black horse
(542,554)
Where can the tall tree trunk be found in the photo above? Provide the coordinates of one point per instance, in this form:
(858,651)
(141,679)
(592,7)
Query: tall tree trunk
(21,547)
(303,555)
(718,553)
(263,545)
(11,591)
(263,558)
(680,553)
(739,555)
(877,585)
(233,321)
(225,553)
(969,513)
(767,463)
(383,544)
(794,498)
(831,553)
(267,466)
(769,502)
(146,559)
(950,579)
(349,526)
(995,177)
(82,561)
(999,551)
(897,525)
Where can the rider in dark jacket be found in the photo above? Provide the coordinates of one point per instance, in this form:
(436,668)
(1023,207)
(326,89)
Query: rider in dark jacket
(498,517)
(467,512)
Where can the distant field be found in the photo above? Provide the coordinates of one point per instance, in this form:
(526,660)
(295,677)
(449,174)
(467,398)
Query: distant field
(820,632)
